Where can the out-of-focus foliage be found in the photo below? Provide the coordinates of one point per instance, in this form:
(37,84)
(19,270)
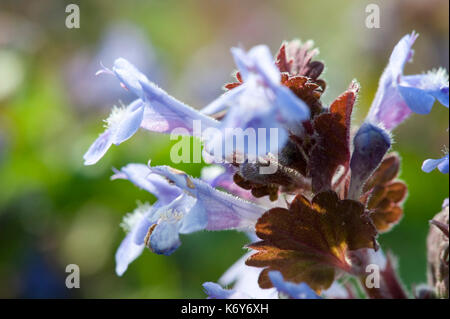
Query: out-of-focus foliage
(54,211)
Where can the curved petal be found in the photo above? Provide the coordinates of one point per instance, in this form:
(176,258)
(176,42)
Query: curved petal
(175,113)
(149,218)
(164,239)
(227,99)
(98,148)
(442,164)
(163,113)
(195,220)
(420,91)
(417,100)
(265,65)
(433,83)
(388,106)
(129,76)
(224,211)
(257,60)
(401,54)
(292,108)
(129,125)
(127,252)
(141,176)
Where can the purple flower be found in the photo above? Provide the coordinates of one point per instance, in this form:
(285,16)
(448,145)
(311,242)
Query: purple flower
(163,213)
(220,210)
(398,95)
(441,164)
(292,290)
(261,102)
(184,205)
(154,110)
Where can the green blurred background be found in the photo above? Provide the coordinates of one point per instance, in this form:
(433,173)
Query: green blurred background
(54,211)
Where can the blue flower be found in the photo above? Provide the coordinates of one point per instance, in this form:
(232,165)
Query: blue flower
(441,164)
(162,212)
(215,291)
(154,110)
(292,290)
(220,210)
(260,102)
(184,205)
(398,95)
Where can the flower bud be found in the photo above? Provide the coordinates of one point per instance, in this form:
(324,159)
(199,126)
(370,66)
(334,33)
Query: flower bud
(370,145)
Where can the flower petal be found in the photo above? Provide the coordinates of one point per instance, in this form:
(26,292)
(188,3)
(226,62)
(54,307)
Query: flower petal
(98,148)
(150,217)
(295,291)
(127,252)
(130,249)
(129,124)
(164,239)
(215,291)
(225,100)
(292,108)
(195,220)
(141,176)
(169,113)
(417,100)
(163,113)
(129,76)
(442,164)
(257,60)
(433,83)
(420,91)
(388,106)
(398,96)
(223,210)
(401,54)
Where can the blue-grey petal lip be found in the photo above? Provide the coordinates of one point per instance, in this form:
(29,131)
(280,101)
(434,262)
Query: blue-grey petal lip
(296,291)
(99,148)
(442,164)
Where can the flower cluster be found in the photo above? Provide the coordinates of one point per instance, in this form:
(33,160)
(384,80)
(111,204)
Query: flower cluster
(314,219)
